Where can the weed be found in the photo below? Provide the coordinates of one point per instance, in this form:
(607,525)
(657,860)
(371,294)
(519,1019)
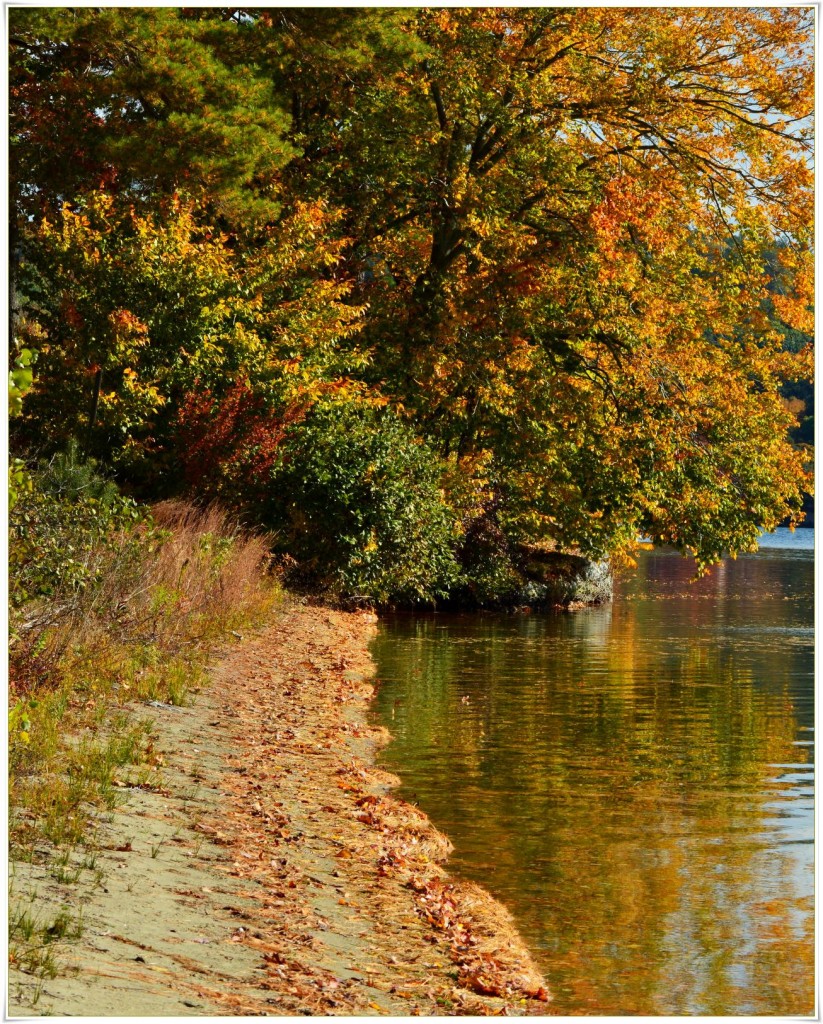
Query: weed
(66,876)
(29,941)
(21,924)
(37,960)
(64,926)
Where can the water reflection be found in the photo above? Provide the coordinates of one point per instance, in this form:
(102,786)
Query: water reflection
(635,781)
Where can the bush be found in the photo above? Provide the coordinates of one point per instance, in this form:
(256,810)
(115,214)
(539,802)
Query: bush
(229,443)
(88,566)
(358,497)
(491,574)
(63,528)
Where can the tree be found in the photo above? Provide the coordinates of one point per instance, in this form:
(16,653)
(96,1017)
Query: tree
(567,206)
(139,310)
(140,104)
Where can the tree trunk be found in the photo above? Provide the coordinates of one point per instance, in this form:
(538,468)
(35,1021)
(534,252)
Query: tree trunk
(95,401)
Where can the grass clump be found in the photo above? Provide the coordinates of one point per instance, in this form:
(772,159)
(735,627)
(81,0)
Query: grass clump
(32,942)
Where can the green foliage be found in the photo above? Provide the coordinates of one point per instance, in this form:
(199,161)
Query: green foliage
(142,103)
(60,530)
(359,496)
(21,378)
(20,481)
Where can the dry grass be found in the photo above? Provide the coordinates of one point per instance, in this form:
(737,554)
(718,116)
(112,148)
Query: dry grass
(165,594)
(211,566)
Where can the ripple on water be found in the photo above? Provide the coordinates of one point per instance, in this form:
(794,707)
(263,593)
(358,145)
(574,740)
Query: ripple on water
(634,782)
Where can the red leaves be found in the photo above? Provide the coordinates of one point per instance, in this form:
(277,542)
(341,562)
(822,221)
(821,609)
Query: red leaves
(387,863)
(231,441)
(438,907)
(484,985)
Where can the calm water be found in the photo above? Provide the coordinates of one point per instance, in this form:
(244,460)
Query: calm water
(634,782)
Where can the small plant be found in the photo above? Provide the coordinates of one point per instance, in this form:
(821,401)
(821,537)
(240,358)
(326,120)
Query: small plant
(63,870)
(30,942)
(21,925)
(37,960)
(63,926)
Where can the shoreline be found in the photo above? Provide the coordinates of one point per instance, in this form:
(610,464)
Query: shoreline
(262,866)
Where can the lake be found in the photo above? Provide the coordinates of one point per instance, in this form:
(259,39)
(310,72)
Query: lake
(634,782)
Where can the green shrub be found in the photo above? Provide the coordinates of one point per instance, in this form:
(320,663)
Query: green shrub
(358,499)
(61,526)
(491,575)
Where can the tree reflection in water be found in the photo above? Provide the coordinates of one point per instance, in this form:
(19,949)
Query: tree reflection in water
(634,781)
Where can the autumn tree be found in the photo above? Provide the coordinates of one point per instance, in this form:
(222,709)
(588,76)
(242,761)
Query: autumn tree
(137,311)
(138,104)
(560,223)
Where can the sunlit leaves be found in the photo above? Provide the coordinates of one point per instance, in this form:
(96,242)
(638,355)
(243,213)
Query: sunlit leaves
(569,244)
(149,306)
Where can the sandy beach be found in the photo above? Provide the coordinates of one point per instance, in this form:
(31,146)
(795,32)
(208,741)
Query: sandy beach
(261,866)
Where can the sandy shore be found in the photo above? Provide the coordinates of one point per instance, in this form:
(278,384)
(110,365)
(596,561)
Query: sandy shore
(261,865)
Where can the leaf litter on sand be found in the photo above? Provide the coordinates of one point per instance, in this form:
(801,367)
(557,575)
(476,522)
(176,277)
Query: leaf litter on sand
(362,854)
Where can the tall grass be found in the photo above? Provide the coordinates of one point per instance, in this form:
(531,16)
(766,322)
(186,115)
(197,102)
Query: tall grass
(155,596)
